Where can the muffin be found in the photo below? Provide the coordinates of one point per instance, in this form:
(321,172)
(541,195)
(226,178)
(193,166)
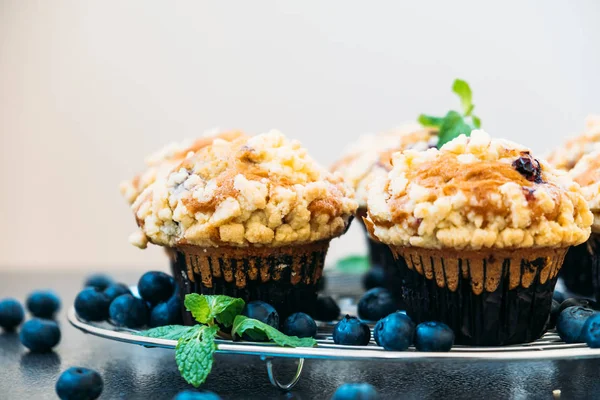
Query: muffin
(568,154)
(368,158)
(480,229)
(247,217)
(581,270)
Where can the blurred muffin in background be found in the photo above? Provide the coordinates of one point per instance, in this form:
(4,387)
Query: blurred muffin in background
(581,270)
(247,217)
(481,228)
(569,153)
(368,158)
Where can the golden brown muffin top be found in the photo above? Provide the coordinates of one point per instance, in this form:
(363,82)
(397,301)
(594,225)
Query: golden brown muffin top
(587,173)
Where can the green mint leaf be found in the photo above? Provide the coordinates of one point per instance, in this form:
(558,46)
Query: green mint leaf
(476,122)
(428,120)
(170,332)
(462,89)
(353,264)
(206,308)
(194,354)
(260,331)
(454,125)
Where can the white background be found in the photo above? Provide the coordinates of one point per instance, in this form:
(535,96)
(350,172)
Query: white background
(88,88)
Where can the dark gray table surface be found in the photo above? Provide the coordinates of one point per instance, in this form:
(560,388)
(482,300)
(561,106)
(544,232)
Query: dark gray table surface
(134,372)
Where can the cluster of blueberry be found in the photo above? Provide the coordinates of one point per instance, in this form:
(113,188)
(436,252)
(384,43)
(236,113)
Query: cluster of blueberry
(576,320)
(394,329)
(103,299)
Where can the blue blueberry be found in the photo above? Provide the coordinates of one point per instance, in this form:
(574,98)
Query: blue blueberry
(395,332)
(591,331)
(301,325)
(79,383)
(167,313)
(115,290)
(375,277)
(351,331)
(263,312)
(434,336)
(326,309)
(43,303)
(99,281)
(355,391)
(11,314)
(570,322)
(92,304)
(156,286)
(558,296)
(578,302)
(128,311)
(191,395)
(377,303)
(40,335)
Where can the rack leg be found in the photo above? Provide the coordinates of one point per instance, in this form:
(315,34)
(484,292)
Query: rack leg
(276,383)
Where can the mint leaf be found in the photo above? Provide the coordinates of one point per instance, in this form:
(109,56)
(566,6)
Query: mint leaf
(353,264)
(476,121)
(170,332)
(260,331)
(206,308)
(454,125)
(462,89)
(194,354)
(428,120)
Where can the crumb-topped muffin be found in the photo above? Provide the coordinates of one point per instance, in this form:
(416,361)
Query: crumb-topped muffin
(248,217)
(568,154)
(483,227)
(581,270)
(368,158)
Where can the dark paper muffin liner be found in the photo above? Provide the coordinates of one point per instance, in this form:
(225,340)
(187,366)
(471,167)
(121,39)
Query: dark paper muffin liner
(380,254)
(581,270)
(488,297)
(285,277)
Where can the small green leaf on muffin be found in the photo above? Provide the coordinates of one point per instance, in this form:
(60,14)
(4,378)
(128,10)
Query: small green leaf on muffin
(258,330)
(454,124)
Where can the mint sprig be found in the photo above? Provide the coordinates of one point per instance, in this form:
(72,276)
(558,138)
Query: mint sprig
(454,124)
(206,309)
(258,330)
(194,353)
(196,345)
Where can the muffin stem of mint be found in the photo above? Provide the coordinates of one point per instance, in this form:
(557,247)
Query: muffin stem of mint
(480,229)
(246,217)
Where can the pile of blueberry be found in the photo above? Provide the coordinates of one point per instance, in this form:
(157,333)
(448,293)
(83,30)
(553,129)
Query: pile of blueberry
(158,303)
(576,320)
(394,330)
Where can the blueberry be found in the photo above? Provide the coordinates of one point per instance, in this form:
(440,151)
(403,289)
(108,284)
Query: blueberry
(167,313)
(554,312)
(377,303)
(128,311)
(375,277)
(43,303)
(155,286)
(326,309)
(352,332)
(92,304)
(263,312)
(355,391)
(100,281)
(559,296)
(591,331)
(79,383)
(433,336)
(11,314)
(40,335)
(529,167)
(301,325)
(115,290)
(578,302)
(191,395)
(395,332)
(570,322)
